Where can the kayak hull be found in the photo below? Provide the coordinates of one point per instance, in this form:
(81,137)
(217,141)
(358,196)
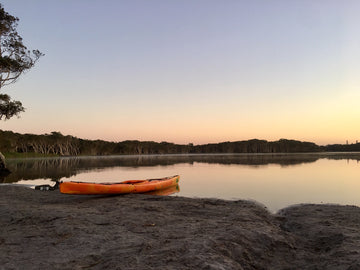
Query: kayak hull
(130,186)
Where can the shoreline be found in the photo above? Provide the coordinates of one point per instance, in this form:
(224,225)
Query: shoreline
(40,156)
(49,230)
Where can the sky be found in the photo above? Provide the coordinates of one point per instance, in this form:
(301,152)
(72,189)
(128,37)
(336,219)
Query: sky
(187,71)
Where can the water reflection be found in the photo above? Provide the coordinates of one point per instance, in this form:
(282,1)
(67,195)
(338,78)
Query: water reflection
(165,192)
(57,168)
(276,181)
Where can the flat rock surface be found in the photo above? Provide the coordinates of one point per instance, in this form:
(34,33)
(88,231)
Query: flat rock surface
(49,230)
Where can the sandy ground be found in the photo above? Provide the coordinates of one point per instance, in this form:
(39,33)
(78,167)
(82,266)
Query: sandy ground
(49,230)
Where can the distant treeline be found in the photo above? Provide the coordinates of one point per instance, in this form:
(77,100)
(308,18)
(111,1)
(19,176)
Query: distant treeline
(57,144)
(343,147)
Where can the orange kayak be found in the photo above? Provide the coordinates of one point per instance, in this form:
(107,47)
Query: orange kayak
(130,186)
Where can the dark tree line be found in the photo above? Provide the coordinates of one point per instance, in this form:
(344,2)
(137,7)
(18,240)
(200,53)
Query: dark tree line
(57,144)
(355,147)
(258,146)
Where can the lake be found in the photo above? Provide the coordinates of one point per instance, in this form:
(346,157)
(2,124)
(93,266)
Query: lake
(274,180)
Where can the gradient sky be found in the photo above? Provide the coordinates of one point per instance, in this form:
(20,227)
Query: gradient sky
(188,71)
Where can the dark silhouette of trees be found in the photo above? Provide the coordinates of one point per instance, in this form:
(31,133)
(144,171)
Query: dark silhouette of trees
(60,145)
(355,147)
(258,146)
(15,59)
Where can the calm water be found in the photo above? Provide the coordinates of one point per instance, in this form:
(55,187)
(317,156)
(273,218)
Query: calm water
(276,181)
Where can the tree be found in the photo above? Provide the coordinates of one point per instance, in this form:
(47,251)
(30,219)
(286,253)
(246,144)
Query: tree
(8,107)
(15,59)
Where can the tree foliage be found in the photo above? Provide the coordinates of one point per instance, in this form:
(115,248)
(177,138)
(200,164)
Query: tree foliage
(15,59)
(8,107)
(58,144)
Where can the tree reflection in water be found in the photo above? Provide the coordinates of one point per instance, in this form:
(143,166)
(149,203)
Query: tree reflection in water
(57,168)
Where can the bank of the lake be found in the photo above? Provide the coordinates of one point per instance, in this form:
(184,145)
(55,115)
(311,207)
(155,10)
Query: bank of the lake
(49,230)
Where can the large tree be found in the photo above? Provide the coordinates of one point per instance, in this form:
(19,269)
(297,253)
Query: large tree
(15,59)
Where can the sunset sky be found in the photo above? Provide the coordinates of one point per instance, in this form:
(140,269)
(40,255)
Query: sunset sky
(187,71)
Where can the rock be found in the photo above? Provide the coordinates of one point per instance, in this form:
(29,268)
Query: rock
(2,161)
(50,230)
(3,169)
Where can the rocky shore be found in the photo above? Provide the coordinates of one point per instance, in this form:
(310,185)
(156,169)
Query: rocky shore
(49,230)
